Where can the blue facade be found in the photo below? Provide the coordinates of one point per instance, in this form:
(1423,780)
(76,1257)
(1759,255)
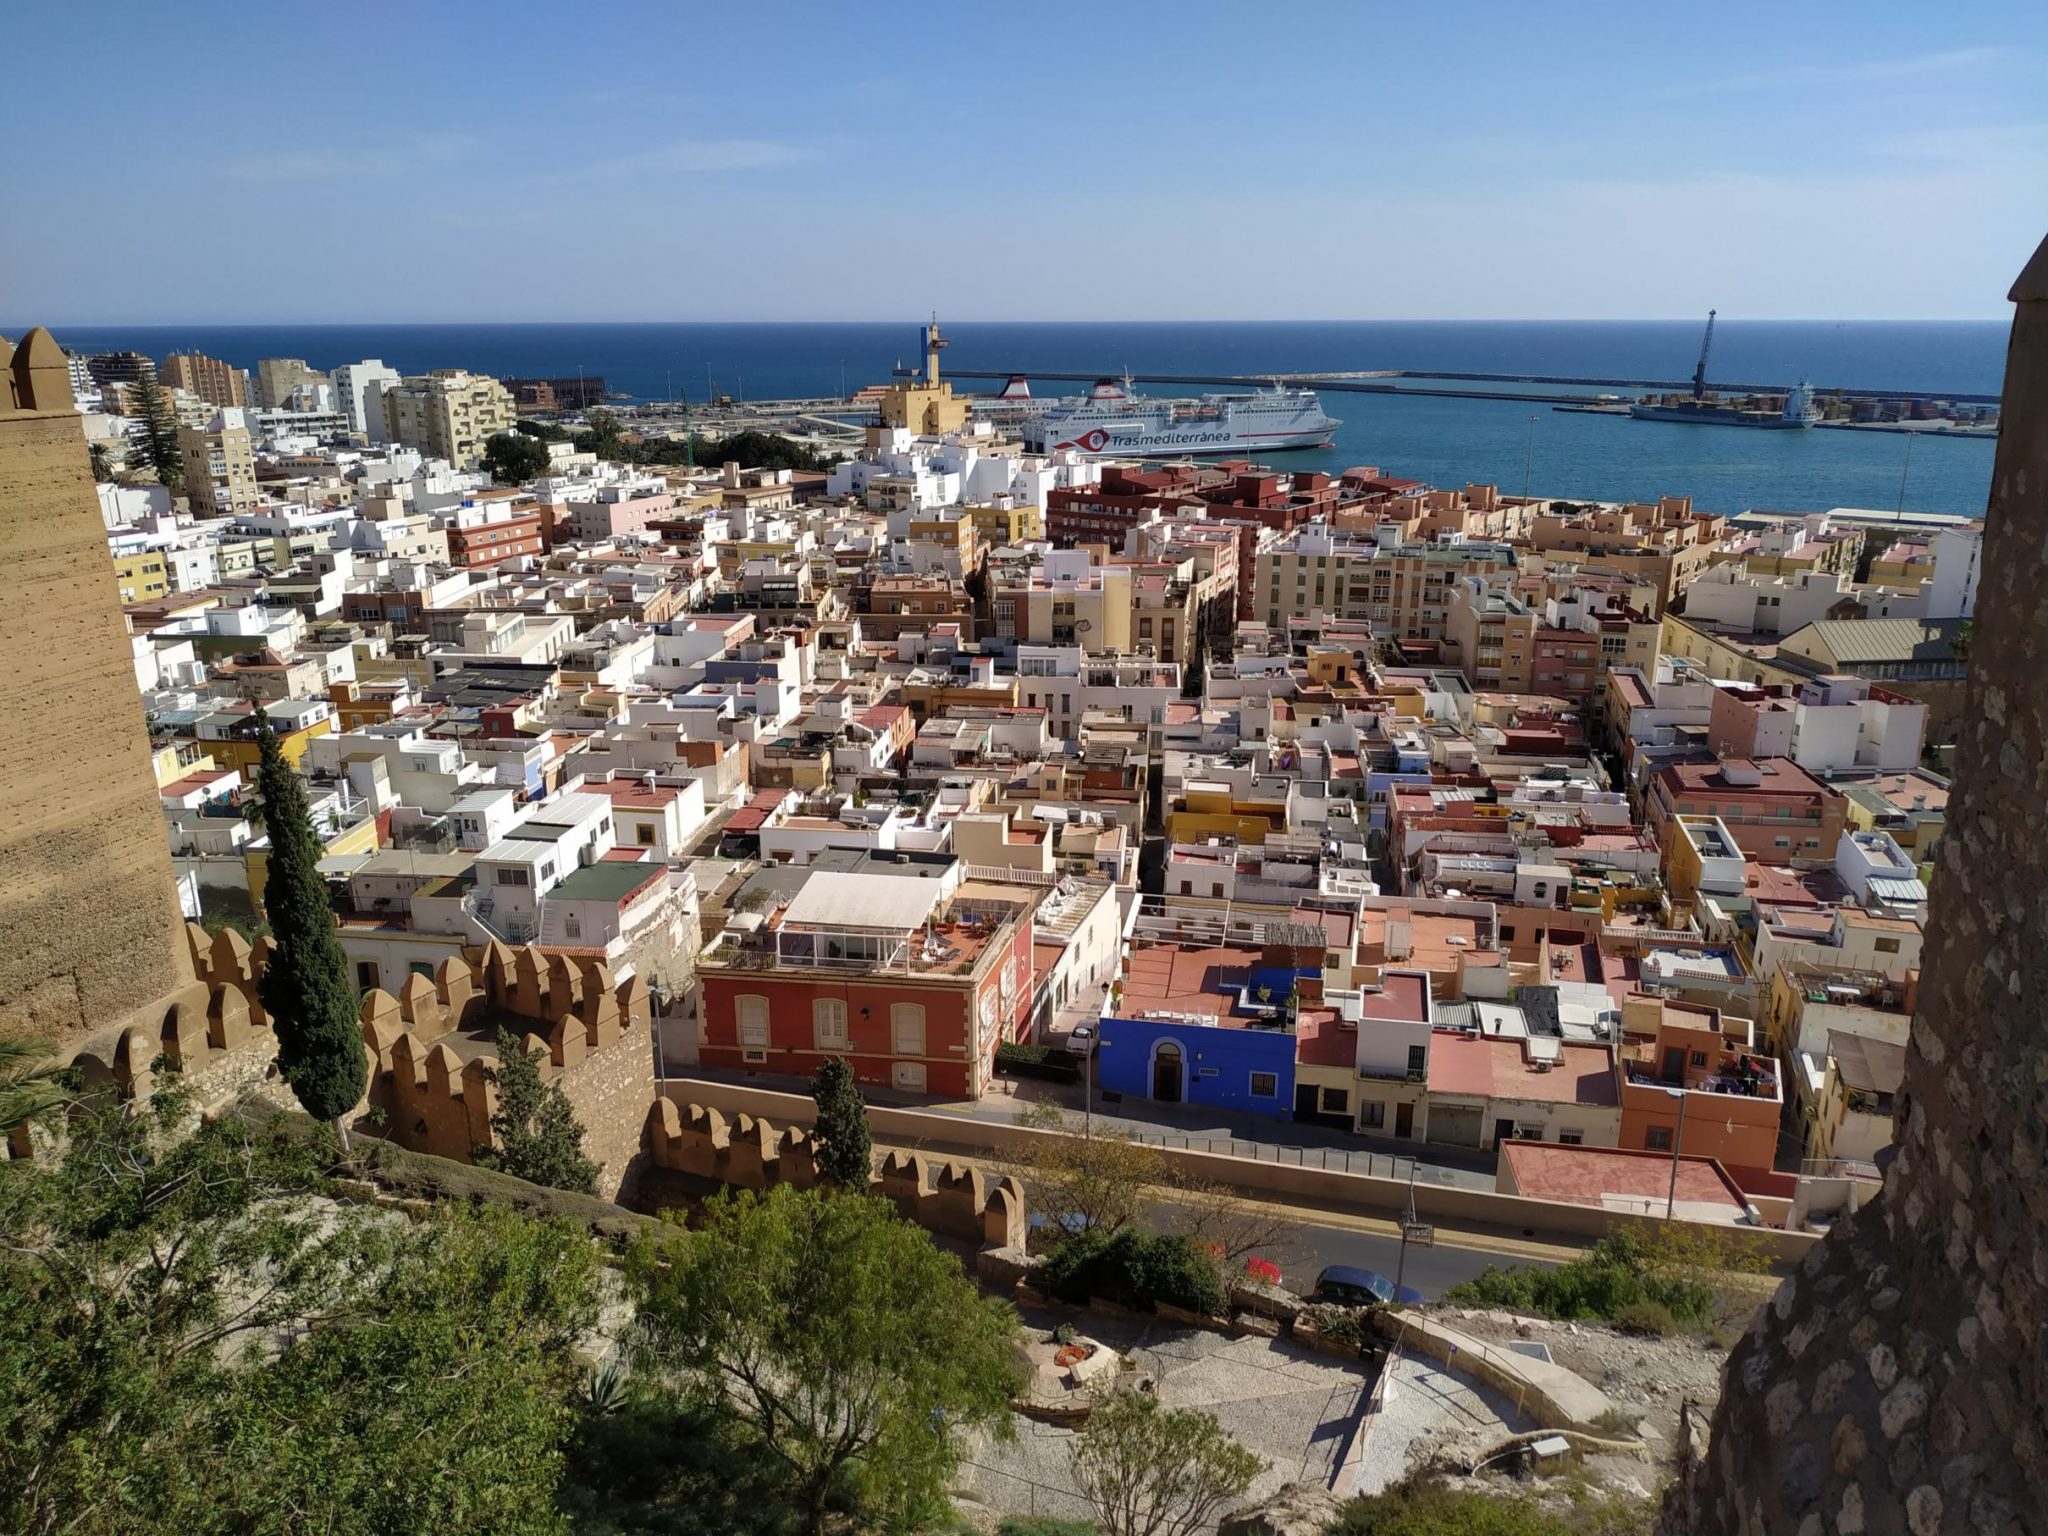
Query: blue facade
(1216,1064)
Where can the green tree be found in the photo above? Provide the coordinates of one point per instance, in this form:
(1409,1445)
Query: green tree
(1084,1183)
(602,436)
(538,1138)
(1153,1471)
(546,431)
(513,458)
(32,1083)
(312,1002)
(854,1350)
(194,1341)
(102,461)
(159,432)
(845,1149)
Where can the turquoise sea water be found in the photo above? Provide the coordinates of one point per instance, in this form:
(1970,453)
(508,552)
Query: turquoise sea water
(1446,442)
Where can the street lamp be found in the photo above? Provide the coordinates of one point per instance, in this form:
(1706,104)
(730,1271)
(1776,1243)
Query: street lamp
(1677,1141)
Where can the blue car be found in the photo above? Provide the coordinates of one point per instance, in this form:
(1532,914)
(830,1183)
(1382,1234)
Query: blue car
(1344,1285)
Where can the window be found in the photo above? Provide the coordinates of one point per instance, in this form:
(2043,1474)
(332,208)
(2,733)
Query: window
(1336,1101)
(572,926)
(1570,1138)
(750,1016)
(1265,1085)
(1372,1115)
(1187,887)
(1418,1060)
(368,976)
(1886,946)
(644,835)
(909,1075)
(906,1030)
(421,968)
(828,1023)
(1699,1058)
(756,1057)
(1658,1138)
(514,877)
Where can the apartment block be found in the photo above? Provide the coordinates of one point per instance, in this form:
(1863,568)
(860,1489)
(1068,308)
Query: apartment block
(220,466)
(448,414)
(215,382)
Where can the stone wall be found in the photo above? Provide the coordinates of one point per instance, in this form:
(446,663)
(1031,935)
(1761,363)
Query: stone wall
(954,1199)
(1898,1382)
(91,940)
(592,1037)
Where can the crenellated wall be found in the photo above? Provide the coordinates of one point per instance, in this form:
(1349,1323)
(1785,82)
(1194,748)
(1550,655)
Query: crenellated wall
(431,1070)
(954,1199)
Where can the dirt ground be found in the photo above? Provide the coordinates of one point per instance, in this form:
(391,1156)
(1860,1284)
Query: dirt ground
(1646,1378)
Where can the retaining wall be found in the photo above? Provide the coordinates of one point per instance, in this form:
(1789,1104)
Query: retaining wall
(1514,1214)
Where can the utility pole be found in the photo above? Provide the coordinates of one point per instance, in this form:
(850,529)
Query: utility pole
(1677,1141)
(1408,1225)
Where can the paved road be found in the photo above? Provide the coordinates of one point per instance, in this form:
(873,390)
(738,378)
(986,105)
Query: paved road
(1315,1244)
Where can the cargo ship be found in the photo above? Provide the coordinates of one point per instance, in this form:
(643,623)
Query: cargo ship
(1798,409)
(1112,422)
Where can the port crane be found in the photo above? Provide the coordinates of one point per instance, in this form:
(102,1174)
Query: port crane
(1699,372)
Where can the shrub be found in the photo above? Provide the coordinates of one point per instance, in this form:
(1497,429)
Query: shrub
(1647,1317)
(1040,1061)
(1041,1525)
(1432,1508)
(1346,1325)
(1614,1274)
(1133,1268)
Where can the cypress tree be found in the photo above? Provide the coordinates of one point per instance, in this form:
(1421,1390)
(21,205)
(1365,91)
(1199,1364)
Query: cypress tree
(844,1145)
(307,991)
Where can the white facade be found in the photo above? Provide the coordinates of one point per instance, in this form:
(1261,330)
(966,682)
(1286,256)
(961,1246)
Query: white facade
(1777,605)
(359,396)
(1958,564)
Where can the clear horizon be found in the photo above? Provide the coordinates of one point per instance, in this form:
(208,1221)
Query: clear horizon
(1135,164)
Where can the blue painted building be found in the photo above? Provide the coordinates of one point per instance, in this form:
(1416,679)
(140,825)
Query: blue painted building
(1208,1025)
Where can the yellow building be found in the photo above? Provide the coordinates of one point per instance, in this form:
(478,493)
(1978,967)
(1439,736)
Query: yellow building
(141,577)
(1008,525)
(220,466)
(448,414)
(244,755)
(209,378)
(1207,810)
(926,406)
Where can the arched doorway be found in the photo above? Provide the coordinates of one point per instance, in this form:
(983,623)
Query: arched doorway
(1167,1072)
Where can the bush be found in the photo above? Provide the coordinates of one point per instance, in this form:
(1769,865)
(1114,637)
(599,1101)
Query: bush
(1041,1061)
(1431,1508)
(1647,1317)
(1134,1269)
(1614,1274)
(1040,1525)
(1346,1325)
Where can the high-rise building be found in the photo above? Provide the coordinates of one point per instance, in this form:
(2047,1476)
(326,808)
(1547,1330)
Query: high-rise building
(209,378)
(220,465)
(87,899)
(277,377)
(448,414)
(119,368)
(359,395)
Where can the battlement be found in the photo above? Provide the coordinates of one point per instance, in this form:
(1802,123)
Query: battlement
(954,1199)
(433,1055)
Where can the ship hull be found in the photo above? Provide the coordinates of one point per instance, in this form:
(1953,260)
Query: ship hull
(1100,444)
(1758,421)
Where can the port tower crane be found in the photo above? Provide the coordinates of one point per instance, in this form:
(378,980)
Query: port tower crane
(1699,372)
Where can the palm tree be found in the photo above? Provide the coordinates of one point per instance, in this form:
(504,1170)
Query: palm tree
(30,1084)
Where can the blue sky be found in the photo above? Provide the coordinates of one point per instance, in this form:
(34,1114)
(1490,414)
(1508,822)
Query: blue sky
(445,161)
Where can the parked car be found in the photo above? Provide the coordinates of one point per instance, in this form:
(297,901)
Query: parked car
(1081,1040)
(1344,1285)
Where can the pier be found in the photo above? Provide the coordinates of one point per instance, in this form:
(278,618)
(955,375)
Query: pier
(1375,382)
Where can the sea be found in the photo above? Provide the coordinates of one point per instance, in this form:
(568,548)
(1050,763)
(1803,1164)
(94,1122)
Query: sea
(1515,444)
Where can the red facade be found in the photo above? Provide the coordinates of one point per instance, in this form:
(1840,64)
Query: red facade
(965,1018)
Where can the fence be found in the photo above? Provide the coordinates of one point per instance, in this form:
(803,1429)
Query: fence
(1386,1165)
